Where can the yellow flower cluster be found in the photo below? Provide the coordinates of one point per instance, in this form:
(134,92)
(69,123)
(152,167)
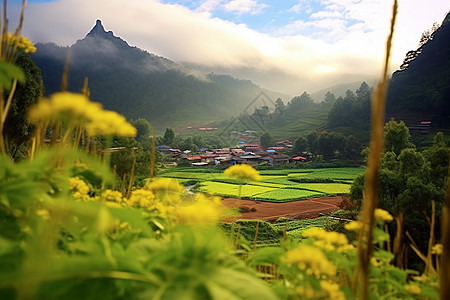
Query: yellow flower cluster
(167,190)
(437,249)
(72,106)
(242,172)
(164,184)
(332,290)
(413,289)
(382,215)
(112,196)
(354,226)
(19,42)
(141,198)
(205,210)
(327,240)
(79,188)
(311,260)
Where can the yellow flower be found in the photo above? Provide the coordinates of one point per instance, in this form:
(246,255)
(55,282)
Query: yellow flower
(112,196)
(79,189)
(325,239)
(332,290)
(306,292)
(166,190)
(77,107)
(19,42)
(78,185)
(311,260)
(141,198)
(437,249)
(204,210)
(242,172)
(103,122)
(413,289)
(382,215)
(164,184)
(354,226)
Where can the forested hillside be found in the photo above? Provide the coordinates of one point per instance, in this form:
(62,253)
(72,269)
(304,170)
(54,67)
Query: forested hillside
(421,88)
(139,84)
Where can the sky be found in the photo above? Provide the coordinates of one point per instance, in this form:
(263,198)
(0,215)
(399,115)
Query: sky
(288,46)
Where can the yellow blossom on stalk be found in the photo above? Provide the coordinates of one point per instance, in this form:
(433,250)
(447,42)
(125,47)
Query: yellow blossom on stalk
(63,104)
(437,249)
(242,172)
(19,42)
(325,239)
(79,188)
(306,292)
(43,213)
(166,190)
(72,106)
(311,260)
(164,184)
(332,290)
(141,198)
(382,215)
(375,262)
(354,226)
(413,289)
(104,122)
(112,196)
(204,210)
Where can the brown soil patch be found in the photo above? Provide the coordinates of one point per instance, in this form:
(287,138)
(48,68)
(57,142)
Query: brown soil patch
(271,211)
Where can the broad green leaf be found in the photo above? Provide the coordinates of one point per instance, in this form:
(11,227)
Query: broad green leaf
(9,72)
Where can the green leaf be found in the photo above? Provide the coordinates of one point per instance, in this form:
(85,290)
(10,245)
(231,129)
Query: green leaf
(430,292)
(9,72)
(227,283)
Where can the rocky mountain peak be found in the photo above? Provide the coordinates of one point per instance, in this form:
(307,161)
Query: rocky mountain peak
(99,30)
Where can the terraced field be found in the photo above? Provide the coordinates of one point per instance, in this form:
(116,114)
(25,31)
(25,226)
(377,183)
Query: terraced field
(276,185)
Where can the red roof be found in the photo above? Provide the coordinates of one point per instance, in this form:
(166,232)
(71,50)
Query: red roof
(299,158)
(209,155)
(194,157)
(277,148)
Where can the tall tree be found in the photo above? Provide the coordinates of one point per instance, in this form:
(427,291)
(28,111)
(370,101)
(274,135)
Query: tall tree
(300,145)
(397,137)
(169,137)
(279,106)
(143,128)
(17,130)
(266,140)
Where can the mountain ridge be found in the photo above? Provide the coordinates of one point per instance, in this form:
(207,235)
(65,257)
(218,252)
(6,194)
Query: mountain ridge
(139,84)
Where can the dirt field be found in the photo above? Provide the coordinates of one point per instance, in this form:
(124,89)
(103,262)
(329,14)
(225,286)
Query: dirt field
(269,211)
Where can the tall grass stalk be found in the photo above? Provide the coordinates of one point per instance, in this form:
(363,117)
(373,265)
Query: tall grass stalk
(371,184)
(445,259)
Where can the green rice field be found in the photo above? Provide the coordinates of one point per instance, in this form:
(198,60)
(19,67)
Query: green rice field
(276,185)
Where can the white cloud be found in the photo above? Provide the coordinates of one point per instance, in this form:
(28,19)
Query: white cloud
(244,7)
(344,41)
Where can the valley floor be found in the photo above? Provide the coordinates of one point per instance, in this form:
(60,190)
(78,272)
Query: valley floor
(270,211)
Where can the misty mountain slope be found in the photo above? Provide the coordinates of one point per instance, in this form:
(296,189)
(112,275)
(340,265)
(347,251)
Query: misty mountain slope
(139,84)
(423,88)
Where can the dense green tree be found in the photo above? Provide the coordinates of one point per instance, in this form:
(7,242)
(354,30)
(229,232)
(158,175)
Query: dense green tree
(279,106)
(266,140)
(301,102)
(300,145)
(198,141)
(144,129)
(397,136)
(329,98)
(312,139)
(352,149)
(17,131)
(409,182)
(169,136)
